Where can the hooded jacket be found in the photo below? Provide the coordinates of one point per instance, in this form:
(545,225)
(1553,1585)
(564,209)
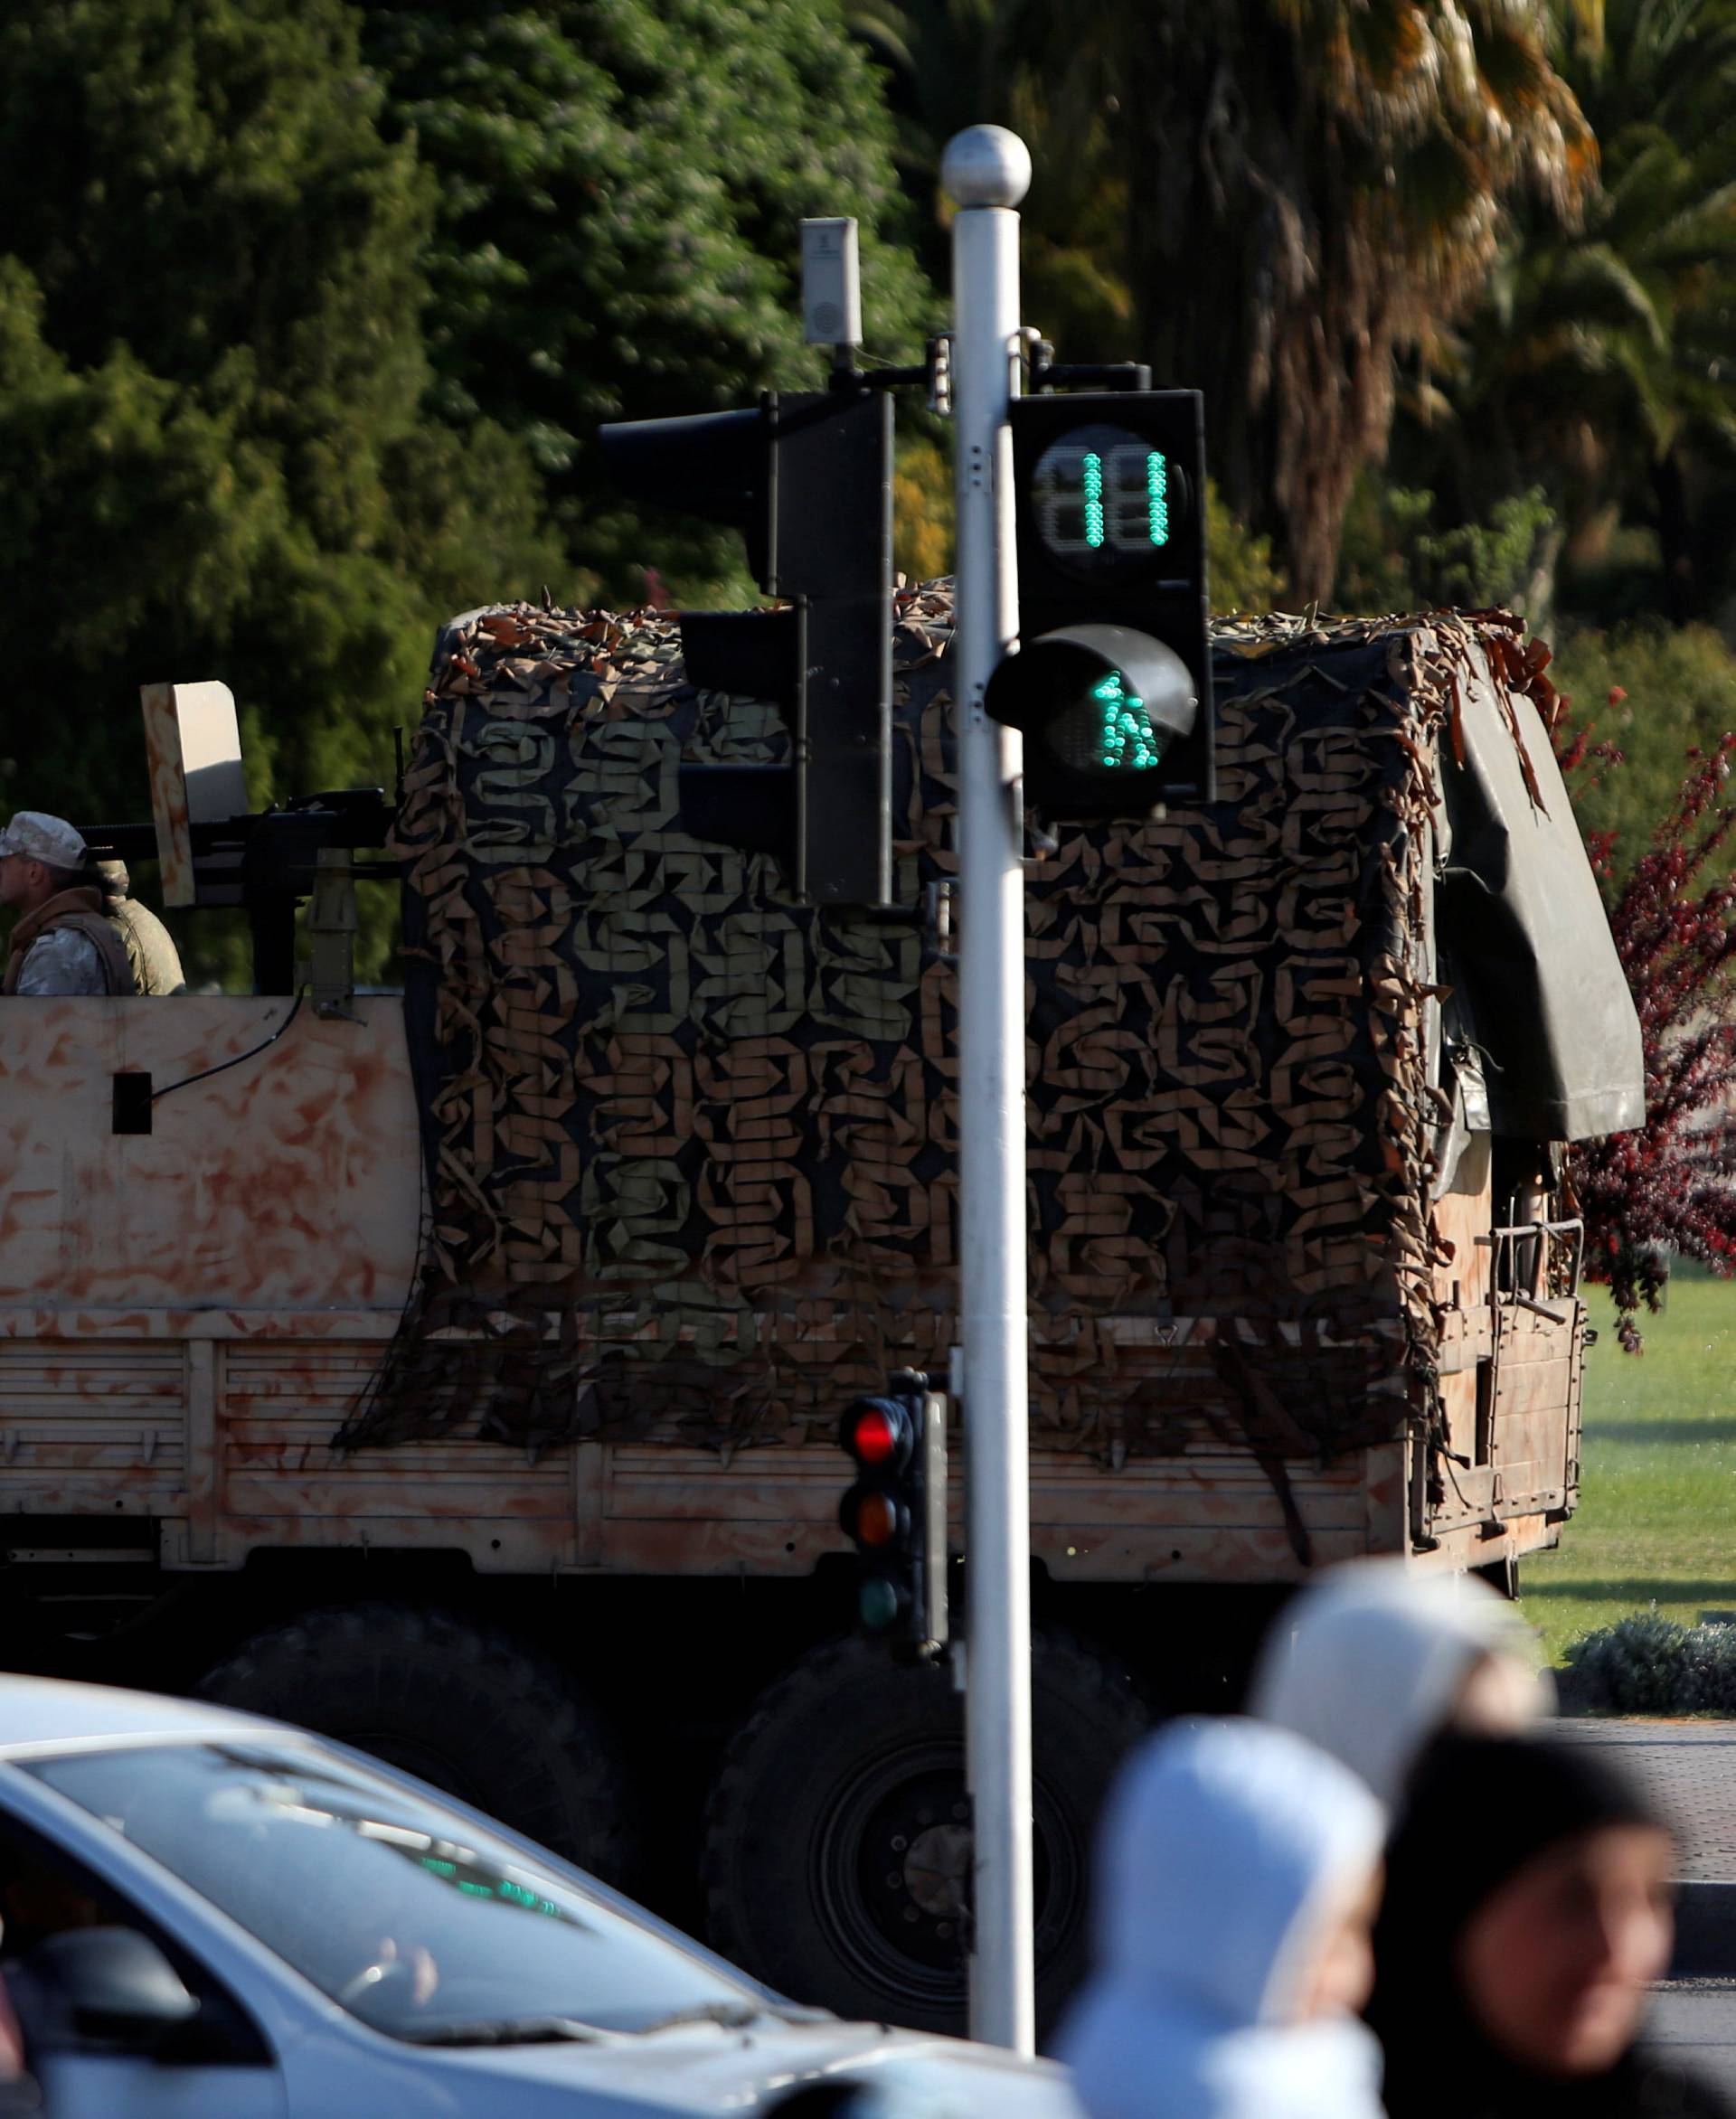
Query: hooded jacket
(1225,1852)
(1368,1663)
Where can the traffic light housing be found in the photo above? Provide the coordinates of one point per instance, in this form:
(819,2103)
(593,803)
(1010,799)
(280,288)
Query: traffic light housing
(1111,685)
(895,1514)
(806,478)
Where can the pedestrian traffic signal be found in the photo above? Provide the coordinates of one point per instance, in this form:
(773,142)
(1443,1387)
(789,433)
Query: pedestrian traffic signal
(807,477)
(1110,683)
(895,1514)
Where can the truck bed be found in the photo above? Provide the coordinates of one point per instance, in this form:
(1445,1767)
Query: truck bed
(188,1317)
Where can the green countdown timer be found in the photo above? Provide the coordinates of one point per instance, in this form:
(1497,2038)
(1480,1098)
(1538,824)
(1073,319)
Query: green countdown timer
(1106,503)
(1107,730)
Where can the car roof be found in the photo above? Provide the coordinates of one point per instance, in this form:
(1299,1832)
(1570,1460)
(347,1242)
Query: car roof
(34,1711)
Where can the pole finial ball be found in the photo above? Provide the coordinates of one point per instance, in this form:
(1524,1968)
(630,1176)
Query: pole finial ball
(986,165)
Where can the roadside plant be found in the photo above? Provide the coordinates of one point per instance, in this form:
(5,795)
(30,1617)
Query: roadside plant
(1669,1188)
(1648,1665)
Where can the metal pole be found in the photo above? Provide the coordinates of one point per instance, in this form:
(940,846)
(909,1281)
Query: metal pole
(987,171)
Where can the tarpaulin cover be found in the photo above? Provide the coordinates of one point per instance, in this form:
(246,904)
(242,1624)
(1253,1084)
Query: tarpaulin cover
(1523,935)
(691,1146)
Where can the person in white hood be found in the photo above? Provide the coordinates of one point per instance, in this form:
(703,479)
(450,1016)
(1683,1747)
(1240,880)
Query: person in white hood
(1237,1876)
(1373,1661)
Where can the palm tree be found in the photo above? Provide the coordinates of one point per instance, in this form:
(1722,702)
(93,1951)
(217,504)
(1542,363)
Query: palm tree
(1601,359)
(1311,187)
(951,63)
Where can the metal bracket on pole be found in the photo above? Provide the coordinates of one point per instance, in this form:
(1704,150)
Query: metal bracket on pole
(986,171)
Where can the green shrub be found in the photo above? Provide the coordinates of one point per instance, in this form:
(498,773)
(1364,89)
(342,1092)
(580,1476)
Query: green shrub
(1244,577)
(1476,565)
(1645,1665)
(1392,560)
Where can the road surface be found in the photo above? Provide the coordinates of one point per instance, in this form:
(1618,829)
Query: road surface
(1693,2022)
(1690,1767)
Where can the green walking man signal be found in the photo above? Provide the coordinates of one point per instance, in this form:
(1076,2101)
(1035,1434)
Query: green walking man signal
(1110,683)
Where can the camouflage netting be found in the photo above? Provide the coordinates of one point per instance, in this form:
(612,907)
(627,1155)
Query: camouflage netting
(692,1148)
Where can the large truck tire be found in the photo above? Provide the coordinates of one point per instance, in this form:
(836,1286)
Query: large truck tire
(837,1860)
(460,1705)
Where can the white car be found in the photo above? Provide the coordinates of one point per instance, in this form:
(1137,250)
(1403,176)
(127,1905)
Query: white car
(215,1917)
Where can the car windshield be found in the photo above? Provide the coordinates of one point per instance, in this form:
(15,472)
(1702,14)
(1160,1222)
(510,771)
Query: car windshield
(409,1917)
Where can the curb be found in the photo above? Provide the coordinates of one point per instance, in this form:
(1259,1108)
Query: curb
(1705,1931)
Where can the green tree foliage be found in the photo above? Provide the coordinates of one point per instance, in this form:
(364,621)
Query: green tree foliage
(310,311)
(1396,558)
(1240,567)
(620,186)
(1657,694)
(212,373)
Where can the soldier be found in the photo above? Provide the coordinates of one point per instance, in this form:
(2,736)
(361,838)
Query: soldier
(61,942)
(149,946)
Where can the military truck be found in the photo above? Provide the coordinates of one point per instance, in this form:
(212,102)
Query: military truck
(459,1371)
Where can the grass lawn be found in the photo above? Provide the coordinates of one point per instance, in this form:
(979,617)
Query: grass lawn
(1657,1520)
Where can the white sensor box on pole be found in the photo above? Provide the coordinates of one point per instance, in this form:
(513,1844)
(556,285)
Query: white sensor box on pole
(831,283)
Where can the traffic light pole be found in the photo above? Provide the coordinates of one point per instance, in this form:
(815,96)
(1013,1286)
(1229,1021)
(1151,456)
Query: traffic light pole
(987,171)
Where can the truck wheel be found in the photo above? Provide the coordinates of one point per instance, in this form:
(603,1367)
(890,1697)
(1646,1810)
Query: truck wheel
(462,1705)
(838,1864)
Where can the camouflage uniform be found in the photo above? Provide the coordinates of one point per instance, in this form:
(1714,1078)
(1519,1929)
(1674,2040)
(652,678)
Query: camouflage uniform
(150,948)
(66,946)
(61,945)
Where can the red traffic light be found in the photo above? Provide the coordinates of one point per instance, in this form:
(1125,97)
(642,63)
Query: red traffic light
(874,1438)
(878,1432)
(894,1512)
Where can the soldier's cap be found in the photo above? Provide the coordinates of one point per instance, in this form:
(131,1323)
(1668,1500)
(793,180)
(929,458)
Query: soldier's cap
(39,837)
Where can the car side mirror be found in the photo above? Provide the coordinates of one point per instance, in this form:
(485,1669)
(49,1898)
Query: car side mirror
(115,1986)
